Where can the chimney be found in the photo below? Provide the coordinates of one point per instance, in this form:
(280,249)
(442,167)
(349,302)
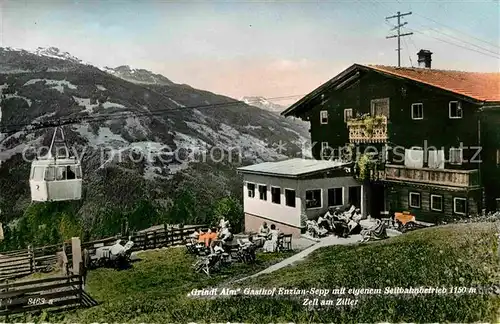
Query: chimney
(424,58)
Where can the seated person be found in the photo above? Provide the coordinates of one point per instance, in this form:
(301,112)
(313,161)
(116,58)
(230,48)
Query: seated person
(330,216)
(203,237)
(210,236)
(354,226)
(263,230)
(322,222)
(314,230)
(223,223)
(195,235)
(225,235)
(351,210)
(357,217)
(272,242)
(337,215)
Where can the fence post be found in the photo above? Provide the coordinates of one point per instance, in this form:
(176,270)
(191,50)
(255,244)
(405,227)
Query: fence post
(76,252)
(31,255)
(172,239)
(182,236)
(145,240)
(82,275)
(154,240)
(6,290)
(165,230)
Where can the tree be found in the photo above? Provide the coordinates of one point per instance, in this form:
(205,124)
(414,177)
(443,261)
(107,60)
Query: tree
(229,208)
(143,216)
(69,227)
(184,208)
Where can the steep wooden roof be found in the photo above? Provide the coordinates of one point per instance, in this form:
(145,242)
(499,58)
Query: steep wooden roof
(476,85)
(481,87)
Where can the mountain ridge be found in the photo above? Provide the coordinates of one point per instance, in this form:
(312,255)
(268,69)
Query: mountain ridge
(170,126)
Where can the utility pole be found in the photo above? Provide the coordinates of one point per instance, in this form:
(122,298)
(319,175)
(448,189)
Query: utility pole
(399,35)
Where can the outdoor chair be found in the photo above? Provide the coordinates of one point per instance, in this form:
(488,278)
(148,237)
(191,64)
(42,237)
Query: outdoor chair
(285,243)
(246,252)
(191,248)
(208,264)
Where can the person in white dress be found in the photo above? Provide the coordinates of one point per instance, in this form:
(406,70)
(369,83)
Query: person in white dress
(272,243)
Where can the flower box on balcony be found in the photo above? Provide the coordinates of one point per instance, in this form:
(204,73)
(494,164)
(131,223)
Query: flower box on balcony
(368,129)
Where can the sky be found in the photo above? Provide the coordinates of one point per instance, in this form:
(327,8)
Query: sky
(256,48)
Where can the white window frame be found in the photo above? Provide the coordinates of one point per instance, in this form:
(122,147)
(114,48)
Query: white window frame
(323,151)
(343,196)
(345,114)
(320,195)
(248,190)
(295,197)
(414,105)
(459,106)
(321,117)
(258,190)
(461,155)
(271,191)
(419,199)
(455,199)
(432,205)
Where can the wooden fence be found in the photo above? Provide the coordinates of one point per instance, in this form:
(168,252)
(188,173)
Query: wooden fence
(19,263)
(14,264)
(144,240)
(54,293)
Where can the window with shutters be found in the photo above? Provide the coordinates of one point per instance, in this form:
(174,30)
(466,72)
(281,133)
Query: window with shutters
(380,107)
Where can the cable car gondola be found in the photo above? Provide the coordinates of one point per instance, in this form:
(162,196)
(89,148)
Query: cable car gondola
(56,177)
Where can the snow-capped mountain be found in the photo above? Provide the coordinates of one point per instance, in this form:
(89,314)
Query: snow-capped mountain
(137,75)
(54,52)
(263,103)
(162,136)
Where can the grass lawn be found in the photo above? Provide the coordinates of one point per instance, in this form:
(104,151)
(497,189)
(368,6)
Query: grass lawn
(156,289)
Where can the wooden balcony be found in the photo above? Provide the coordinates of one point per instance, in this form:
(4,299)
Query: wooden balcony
(444,177)
(368,130)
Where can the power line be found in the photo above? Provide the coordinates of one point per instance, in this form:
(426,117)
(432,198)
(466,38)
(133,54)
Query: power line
(408,51)
(105,117)
(463,41)
(399,35)
(444,40)
(455,44)
(461,32)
